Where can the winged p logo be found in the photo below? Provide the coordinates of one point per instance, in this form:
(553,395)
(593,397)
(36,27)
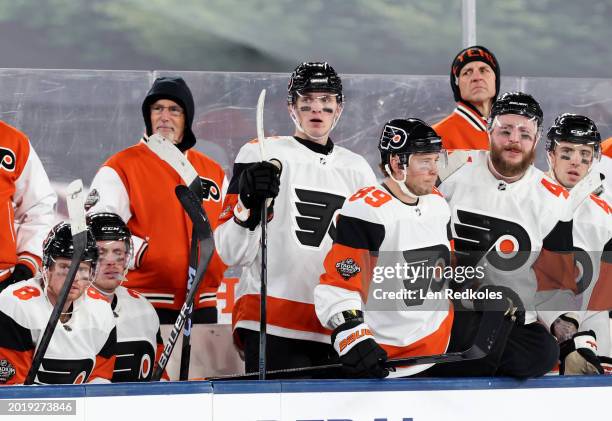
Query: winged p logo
(504,244)
(393,137)
(315,210)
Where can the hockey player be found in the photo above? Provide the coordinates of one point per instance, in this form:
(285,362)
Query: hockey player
(139,341)
(27,207)
(404,220)
(475,80)
(82,348)
(513,221)
(139,187)
(316,177)
(574,147)
(404,223)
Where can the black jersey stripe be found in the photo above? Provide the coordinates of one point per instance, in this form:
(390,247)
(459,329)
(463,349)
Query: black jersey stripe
(359,234)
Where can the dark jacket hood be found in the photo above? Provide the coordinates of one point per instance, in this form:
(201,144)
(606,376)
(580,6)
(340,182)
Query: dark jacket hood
(175,89)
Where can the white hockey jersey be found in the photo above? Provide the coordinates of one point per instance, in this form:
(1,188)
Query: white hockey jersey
(592,233)
(139,341)
(313,187)
(382,263)
(518,233)
(81,350)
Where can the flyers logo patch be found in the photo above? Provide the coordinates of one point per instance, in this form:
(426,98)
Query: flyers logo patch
(505,244)
(347,268)
(393,138)
(7,159)
(315,213)
(210,190)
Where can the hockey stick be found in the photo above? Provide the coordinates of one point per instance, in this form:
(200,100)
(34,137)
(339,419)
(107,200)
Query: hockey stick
(583,189)
(203,232)
(456,159)
(75,201)
(169,153)
(490,328)
(263,290)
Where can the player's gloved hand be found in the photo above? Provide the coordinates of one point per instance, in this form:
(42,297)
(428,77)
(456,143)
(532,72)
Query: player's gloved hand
(565,327)
(578,355)
(359,353)
(259,182)
(20,273)
(501,298)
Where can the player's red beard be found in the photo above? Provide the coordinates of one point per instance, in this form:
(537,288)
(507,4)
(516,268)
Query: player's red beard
(509,169)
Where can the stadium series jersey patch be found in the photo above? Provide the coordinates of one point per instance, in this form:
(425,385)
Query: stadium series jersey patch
(347,268)
(7,371)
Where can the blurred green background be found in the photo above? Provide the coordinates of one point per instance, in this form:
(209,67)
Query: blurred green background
(530,37)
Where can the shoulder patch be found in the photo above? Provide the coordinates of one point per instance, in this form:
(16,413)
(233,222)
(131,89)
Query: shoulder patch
(347,268)
(7,371)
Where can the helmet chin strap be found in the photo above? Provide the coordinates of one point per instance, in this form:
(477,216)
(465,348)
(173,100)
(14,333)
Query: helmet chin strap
(401,183)
(299,127)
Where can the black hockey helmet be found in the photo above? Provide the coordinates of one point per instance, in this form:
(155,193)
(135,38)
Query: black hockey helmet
(59,244)
(574,128)
(314,76)
(517,103)
(107,226)
(407,136)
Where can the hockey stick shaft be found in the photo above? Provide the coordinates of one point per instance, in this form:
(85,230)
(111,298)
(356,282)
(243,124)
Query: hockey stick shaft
(491,324)
(263,291)
(203,232)
(186,346)
(76,209)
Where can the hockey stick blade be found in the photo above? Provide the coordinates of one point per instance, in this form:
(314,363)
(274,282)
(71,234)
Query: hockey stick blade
(75,201)
(169,153)
(259,121)
(491,324)
(583,189)
(203,231)
(456,159)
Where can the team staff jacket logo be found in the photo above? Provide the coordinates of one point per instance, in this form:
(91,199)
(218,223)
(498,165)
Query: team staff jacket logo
(313,187)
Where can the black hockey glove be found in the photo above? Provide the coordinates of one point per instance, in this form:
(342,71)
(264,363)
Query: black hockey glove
(501,298)
(578,355)
(257,183)
(20,273)
(359,353)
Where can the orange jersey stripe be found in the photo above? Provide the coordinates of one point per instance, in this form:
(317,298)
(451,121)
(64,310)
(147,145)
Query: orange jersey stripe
(282,313)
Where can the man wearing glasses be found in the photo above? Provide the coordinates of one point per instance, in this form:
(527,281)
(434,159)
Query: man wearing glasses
(510,219)
(139,187)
